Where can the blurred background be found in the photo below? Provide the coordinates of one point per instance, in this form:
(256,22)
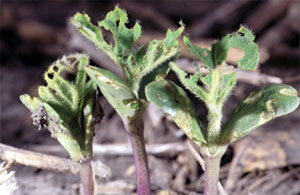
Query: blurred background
(33,34)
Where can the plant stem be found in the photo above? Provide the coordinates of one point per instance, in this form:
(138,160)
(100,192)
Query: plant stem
(87,178)
(212,167)
(136,135)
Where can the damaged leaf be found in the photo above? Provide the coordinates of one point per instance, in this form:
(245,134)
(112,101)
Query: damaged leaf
(258,108)
(66,106)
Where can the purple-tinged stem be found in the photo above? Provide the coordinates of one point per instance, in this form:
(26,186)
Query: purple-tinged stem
(136,136)
(212,168)
(87,178)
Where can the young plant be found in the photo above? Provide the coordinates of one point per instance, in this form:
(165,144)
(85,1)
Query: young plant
(69,110)
(255,110)
(140,66)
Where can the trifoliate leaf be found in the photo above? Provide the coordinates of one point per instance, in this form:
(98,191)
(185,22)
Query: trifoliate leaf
(66,107)
(242,39)
(139,67)
(204,54)
(190,84)
(94,34)
(124,37)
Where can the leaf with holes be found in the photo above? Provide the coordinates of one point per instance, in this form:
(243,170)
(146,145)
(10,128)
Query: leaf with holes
(66,107)
(140,67)
(258,108)
(242,39)
(173,100)
(124,37)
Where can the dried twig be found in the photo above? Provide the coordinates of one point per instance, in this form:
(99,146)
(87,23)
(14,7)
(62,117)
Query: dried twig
(254,78)
(227,9)
(122,149)
(147,12)
(201,162)
(233,56)
(233,171)
(256,183)
(258,19)
(282,178)
(44,161)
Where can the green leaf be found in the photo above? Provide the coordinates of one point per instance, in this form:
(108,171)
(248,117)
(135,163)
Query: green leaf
(124,37)
(173,100)
(172,36)
(189,83)
(158,54)
(204,54)
(66,107)
(242,39)
(44,115)
(93,33)
(116,91)
(258,108)
(226,85)
(147,64)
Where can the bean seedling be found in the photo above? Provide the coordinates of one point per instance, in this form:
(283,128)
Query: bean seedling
(68,108)
(139,66)
(255,110)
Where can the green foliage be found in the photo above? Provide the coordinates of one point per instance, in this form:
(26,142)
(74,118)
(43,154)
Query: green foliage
(190,82)
(217,85)
(242,39)
(173,100)
(258,108)
(67,108)
(140,66)
(214,88)
(117,92)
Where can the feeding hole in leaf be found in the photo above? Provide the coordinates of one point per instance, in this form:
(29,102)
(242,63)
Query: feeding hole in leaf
(205,53)
(55,68)
(199,83)
(236,54)
(50,75)
(240,33)
(68,76)
(71,60)
(188,75)
(53,91)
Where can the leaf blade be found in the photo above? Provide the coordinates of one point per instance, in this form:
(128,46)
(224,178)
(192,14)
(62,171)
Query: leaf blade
(115,90)
(258,108)
(173,100)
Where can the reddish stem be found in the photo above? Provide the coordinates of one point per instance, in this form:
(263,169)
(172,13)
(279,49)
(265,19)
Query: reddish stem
(136,135)
(212,167)
(87,178)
